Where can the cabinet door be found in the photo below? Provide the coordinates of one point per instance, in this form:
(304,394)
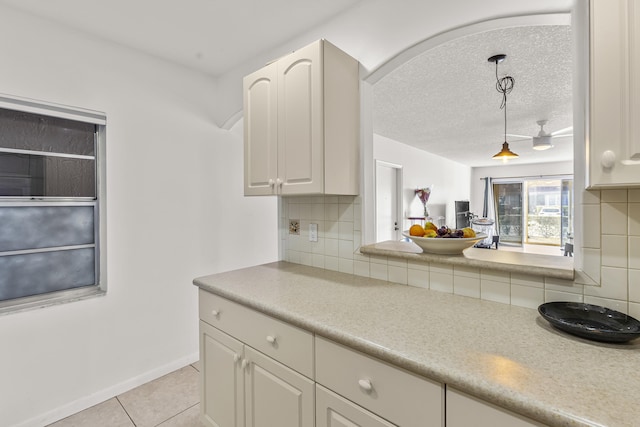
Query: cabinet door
(614,93)
(335,411)
(260,131)
(276,395)
(300,121)
(222,385)
(464,411)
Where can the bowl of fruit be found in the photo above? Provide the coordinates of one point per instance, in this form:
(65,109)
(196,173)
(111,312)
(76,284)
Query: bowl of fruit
(443,240)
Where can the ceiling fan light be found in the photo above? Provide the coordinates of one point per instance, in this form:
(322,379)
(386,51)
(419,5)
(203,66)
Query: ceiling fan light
(505,153)
(542,143)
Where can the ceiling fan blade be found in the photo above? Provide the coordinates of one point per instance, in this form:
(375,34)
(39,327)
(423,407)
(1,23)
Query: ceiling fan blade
(558,132)
(518,140)
(561,136)
(519,136)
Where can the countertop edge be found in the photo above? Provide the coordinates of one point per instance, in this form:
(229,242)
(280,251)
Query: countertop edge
(489,392)
(467,260)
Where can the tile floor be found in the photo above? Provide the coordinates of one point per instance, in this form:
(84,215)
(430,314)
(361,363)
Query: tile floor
(169,401)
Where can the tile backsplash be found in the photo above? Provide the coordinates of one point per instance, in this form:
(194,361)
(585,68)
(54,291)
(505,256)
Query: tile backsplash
(611,247)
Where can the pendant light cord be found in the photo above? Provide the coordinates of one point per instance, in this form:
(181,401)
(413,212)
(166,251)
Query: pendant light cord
(504,86)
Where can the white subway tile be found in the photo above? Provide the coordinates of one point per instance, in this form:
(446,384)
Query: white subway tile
(378,259)
(634,252)
(634,285)
(614,218)
(318,247)
(614,251)
(306,258)
(591,239)
(495,276)
(634,219)
(498,291)
(591,262)
(441,268)
(418,265)
(526,296)
(466,271)
(527,280)
(398,262)
(466,286)
(345,249)
(332,263)
(591,196)
(332,230)
(361,268)
(613,195)
(331,212)
(613,284)
(418,278)
(440,281)
(378,271)
(621,306)
(552,296)
(551,283)
(332,247)
(397,274)
(345,212)
(345,266)
(634,310)
(345,230)
(317,212)
(318,260)
(634,195)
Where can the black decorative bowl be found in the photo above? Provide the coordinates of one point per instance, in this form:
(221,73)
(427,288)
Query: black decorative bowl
(591,321)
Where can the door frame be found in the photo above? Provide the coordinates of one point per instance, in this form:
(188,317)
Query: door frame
(399,196)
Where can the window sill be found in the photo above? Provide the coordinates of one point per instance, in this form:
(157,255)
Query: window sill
(46,300)
(558,267)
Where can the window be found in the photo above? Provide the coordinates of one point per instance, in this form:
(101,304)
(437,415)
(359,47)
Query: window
(51,203)
(534,211)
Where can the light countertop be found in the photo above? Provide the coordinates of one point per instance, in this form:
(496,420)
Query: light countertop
(541,265)
(503,354)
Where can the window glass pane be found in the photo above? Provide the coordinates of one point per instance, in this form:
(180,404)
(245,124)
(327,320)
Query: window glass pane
(38,273)
(43,176)
(508,203)
(27,131)
(26,227)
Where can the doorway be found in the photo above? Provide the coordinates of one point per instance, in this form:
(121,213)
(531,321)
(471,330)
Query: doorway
(388,185)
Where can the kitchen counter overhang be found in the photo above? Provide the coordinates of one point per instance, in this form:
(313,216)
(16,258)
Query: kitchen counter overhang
(503,354)
(558,267)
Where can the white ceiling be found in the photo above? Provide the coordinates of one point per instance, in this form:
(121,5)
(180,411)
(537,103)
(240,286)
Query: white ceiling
(212,36)
(443,101)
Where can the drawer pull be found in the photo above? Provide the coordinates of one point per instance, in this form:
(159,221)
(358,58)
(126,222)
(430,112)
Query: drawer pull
(215,313)
(365,385)
(271,339)
(244,364)
(236,357)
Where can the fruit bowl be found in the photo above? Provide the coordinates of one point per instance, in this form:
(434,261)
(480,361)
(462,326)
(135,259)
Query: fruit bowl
(445,245)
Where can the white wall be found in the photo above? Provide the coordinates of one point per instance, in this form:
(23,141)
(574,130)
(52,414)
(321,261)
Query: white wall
(476,202)
(449,180)
(175,211)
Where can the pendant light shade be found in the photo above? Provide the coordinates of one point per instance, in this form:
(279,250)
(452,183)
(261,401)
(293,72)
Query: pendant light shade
(504,86)
(505,153)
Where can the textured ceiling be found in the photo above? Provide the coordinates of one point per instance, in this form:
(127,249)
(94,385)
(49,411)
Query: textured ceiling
(445,101)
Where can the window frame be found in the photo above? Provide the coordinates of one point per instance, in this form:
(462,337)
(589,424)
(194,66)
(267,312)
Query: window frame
(99,119)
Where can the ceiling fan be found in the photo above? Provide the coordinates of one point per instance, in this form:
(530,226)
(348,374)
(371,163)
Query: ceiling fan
(542,141)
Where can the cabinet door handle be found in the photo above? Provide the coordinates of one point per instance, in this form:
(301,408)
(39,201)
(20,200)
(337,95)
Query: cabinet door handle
(279,182)
(271,182)
(244,364)
(215,313)
(236,357)
(271,339)
(365,385)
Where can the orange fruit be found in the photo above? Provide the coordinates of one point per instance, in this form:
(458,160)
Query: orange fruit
(416,230)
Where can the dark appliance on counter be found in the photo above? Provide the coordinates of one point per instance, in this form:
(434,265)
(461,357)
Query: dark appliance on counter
(463,216)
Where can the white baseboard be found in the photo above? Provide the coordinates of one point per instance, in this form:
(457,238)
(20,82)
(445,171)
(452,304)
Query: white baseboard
(106,394)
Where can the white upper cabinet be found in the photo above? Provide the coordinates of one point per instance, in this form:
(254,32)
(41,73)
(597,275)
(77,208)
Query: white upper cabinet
(301,124)
(614,140)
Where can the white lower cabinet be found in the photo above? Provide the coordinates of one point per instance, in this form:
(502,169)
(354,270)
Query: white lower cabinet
(257,371)
(242,387)
(464,411)
(333,410)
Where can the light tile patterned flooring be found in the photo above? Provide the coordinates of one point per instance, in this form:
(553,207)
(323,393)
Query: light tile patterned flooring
(169,401)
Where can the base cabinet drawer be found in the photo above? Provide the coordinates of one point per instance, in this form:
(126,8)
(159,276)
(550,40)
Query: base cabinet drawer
(281,341)
(464,410)
(395,395)
(333,410)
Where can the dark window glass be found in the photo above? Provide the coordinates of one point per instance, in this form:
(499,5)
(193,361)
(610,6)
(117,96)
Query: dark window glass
(26,175)
(27,131)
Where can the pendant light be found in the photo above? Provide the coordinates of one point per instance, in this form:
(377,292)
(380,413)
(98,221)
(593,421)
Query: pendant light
(504,86)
